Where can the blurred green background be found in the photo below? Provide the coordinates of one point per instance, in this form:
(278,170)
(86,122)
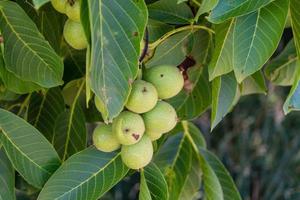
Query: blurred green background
(259,146)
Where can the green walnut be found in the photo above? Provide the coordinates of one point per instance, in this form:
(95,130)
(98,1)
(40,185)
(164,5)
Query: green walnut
(138,155)
(73,10)
(128,127)
(161,119)
(104,139)
(153,135)
(74,35)
(59,5)
(143,97)
(167,79)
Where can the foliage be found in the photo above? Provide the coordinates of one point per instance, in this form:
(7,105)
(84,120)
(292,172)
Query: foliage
(48,90)
(260,147)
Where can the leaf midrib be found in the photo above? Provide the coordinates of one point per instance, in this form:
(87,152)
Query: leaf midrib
(92,176)
(222,48)
(176,158)
(252,41)
(171,49)
(196,149)
(71,119)
(40,110)
(36,164)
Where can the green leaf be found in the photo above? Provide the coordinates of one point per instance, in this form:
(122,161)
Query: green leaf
(177,160)
(221,62)
(256,45)
(27,54)
(13,83)
(193,182)
(293,100)
(153,184)
(157,29)
(144,190)
(230,192)
(292,103)
(294,10)
(85,20)
(44,109)
(7,178)
(5,94)
(172,51)
(211,184)
(70,134)
(218,184)
(246,43)
(206,6)
(224,94)
(226,9)
(177,172)
(194,134)
(117,28)
(71,90)
(51,25)
(168,11)
(254,84)
(38,3)
(30,153)
(86,175)
(183,181)
(282,69)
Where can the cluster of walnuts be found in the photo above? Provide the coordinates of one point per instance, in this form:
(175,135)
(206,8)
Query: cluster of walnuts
(73,30)
(145,119)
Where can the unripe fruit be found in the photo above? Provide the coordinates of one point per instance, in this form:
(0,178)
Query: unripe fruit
(73,10)
(138,155)
(167,79)
(128,127)
(74,35)
(59,5)
(104,139)
(153,135)
(143,97)
(161,119)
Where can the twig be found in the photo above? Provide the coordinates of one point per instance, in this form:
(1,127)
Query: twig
(177,30)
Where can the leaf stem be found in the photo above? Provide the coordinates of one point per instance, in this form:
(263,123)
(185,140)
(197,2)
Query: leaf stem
(191,27)
(186,132)
(24,104)
(72,110)
(196,3)
(13,106)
